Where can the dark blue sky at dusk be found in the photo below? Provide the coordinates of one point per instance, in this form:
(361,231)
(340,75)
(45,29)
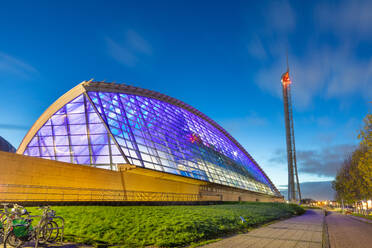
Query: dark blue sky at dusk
(224,58)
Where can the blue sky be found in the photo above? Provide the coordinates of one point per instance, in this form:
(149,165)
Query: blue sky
(225,58)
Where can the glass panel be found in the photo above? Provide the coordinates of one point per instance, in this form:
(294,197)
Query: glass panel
(79,140)
(60,130)
(83,159)
(33,151)
(156,128)
(100,150)
(34,142)
(97,129)
(115,150)
(118,160)
(78,129)
(93,118)
(58,119)
(47,151)
(67,130)
(98,139)
(80,150)
(152,133)
(62,150)
(61,140)
(62,111)
(46,131)
(75,108)
(78,99)
(76,118)
(64,159)
(101,159)
(46,141)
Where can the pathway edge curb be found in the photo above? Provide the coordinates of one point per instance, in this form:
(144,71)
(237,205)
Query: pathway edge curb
(325,235)
(360,219)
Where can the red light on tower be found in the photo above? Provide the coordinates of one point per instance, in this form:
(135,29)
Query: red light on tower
(285,79)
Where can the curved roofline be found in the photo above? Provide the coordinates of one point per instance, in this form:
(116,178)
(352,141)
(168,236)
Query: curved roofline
(59,103)
(87,86)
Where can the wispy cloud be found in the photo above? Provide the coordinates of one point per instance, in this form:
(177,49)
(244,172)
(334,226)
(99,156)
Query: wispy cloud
(347,76)
(131,50)
(331,73)
(121,53)
(280,16)
(322,162)
(256,49)
(15,66)
(346,18)
(138,43)
(12,127)
(320,70)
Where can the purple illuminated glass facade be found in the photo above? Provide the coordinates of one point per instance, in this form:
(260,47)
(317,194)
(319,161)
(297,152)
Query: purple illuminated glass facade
(103,129)
(75,134)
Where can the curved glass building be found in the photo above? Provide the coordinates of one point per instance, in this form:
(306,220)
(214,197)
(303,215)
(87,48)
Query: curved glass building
(105,124)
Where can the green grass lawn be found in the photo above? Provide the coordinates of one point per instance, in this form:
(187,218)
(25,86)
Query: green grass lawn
(311,207)
(368,217)
(165,226)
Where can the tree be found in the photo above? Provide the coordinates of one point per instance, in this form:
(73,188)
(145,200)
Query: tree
(343,183)
(353,181)
(365,160)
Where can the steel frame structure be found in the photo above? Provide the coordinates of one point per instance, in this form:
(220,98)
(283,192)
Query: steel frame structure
(103,124)
(294,191)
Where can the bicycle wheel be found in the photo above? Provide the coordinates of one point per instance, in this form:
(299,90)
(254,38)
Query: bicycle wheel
(12,240)
(1,235)
(44,234)
(52,230)
(2,217)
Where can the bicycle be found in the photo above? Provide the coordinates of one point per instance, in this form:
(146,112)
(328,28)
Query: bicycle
(5,218)
(51,228)
(22,231)
(13,218)
(1,229)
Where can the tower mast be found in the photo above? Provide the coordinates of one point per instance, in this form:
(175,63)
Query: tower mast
(290,140)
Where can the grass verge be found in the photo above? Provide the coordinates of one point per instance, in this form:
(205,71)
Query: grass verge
(368,217)
(311,207)
(165,226)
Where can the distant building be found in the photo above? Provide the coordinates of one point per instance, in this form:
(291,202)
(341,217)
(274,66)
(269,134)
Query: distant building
(5,146)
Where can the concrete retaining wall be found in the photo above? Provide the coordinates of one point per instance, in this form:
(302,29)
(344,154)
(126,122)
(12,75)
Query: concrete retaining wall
(28,179)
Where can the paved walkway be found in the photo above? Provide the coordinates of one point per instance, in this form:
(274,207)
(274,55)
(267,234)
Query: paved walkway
(304,231)
(346,231)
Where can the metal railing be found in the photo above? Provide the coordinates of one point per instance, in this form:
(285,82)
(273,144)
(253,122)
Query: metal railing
(23,193)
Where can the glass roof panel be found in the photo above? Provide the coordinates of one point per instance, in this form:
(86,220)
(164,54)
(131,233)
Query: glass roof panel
(168,138)
(150,133)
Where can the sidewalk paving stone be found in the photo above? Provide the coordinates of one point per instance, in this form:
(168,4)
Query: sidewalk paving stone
(298,232)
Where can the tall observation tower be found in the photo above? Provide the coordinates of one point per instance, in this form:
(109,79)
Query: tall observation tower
(294,192)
